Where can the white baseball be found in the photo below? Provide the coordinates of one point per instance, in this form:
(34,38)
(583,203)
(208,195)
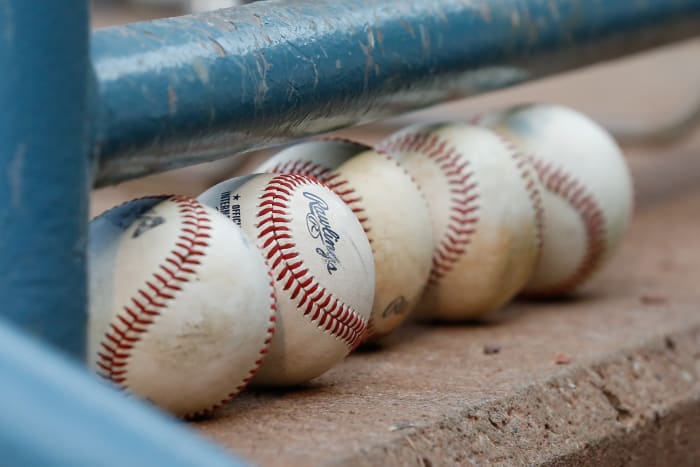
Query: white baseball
(588,190)
(486,212)
(321,263)
(182,306)
(313,158)
(391,209)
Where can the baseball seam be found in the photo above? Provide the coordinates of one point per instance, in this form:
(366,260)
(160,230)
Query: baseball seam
(340,187)
(131,324)
(464,206)
(564,185)
(256,366)
(275,235)
(525,166)
(310,168)
(331,180)
(301,167)
(347,194)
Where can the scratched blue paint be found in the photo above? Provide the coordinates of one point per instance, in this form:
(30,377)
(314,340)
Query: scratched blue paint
(184,90)
(44,88)
(53,414)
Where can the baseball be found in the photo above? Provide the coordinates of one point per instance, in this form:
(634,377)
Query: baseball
(182,306)
(587,191)
(393,213)
(486,212)
(313,158)
(321,264)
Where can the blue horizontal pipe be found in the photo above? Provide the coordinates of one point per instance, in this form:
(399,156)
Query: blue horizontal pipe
(53,414)
(195,88)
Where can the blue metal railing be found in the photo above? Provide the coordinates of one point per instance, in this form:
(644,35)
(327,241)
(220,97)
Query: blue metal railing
(183,90)
(153,96)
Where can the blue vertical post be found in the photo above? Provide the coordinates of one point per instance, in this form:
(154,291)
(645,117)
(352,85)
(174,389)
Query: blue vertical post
(52,413)
(44,87)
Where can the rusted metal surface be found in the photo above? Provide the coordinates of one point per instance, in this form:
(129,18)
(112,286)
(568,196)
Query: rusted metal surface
(191,89)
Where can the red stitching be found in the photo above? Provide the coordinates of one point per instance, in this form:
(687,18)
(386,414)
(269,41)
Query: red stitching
(311,297)
(345,192)
(310,168)
(524,163)
(256,366)
(564,185)
(464,205)
(132,321)
(340,188)
(331,180)
(301,167)
(124,332)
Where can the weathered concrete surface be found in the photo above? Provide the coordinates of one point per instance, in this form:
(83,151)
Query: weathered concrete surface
(611,377)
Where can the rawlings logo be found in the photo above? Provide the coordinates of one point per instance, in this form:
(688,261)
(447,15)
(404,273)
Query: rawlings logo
(320,227)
